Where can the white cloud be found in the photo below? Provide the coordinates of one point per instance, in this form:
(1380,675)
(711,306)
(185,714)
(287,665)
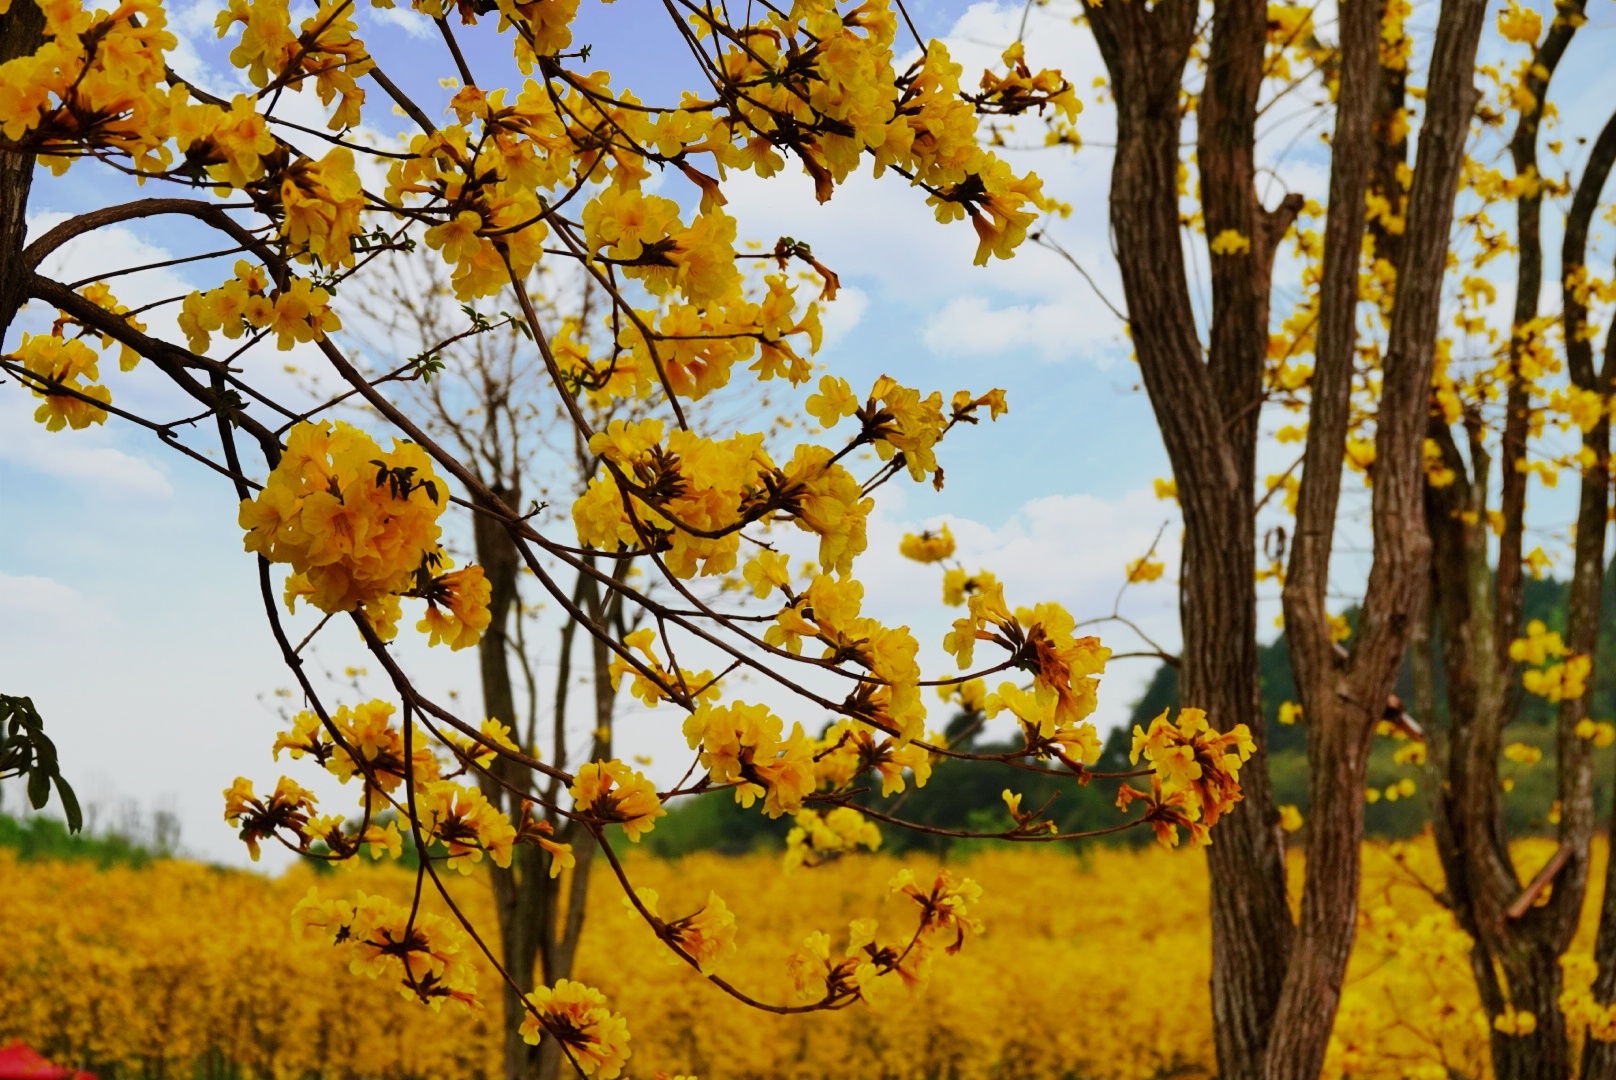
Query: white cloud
(843,316)
(410,21)
(27,601)
(970,326)
(79,457)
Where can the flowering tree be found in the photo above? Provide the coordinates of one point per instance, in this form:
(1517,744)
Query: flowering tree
(488,399)
(1372,382)
(351,523)
(1531,402)
(1211,370)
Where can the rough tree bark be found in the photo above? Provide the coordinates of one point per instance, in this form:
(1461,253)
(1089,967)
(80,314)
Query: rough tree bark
(1598,1058)
(1350,697)
(1335,701)
(1207,411)
(22,31)
(1519,934)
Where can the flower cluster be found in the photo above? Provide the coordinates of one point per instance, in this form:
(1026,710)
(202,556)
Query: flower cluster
(612,793)
(57,364)
(95,83)
(1555,673)
(1064,667)
(704,936)
(593,1038)
(850,749)
(743,745)
(945,920)
(928,546)
(359,528)
(296,312)
(426,953)
(815,839)
(1195,774)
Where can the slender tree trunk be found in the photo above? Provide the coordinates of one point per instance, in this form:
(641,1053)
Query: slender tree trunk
(568,931)
(1207,414)
(1519,934)
(1337,704)
(22,31)
(1598,1058)
(1411,346)
(521,893)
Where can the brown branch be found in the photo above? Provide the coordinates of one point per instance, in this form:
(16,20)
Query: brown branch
(1545,877)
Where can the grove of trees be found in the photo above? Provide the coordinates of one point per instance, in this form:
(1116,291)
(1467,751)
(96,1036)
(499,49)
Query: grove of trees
(525,351)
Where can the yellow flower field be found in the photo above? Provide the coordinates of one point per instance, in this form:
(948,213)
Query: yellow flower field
(1094,964)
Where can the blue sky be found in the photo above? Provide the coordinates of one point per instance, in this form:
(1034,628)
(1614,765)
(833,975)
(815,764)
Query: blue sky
(130,614)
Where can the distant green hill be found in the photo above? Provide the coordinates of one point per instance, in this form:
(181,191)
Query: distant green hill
(41,837)
(964,794)
(1527,806)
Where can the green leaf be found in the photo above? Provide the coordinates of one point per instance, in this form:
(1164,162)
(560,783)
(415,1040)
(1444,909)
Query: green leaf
(70,805)
(25,750)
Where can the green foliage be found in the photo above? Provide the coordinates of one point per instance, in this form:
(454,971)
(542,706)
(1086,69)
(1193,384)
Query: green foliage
(1527,808)
(713,823)
(965,795)
(25,750)
(40,837)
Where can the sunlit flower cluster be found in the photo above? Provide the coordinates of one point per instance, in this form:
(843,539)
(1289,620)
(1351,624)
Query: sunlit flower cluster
(359,528)
(1194,773)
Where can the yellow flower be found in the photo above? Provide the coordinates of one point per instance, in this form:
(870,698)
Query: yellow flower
(1523,753)
(1412,754)
(456,238)
(707,935)
(1144,568)
(463,820)
(816,839)
(1230,242)
(834,401)
(1340,628)
(1192,758)
(1511,1022)
(65,370)
(463,615)
(1521,25)
(611,792)
(945,907)
(928,547)
(576,1016)
(743,745)
(767,571)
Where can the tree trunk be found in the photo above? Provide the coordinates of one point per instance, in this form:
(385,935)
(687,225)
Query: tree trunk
(564,943)
(1206,413)
(1518,933)
(521,890)
(1598,1058)
(22,32)
(1338,729)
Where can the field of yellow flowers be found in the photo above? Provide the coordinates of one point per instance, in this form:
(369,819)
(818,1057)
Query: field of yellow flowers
(1094,965)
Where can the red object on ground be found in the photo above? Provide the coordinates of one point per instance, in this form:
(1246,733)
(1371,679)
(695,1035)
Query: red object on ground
(19,1061)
